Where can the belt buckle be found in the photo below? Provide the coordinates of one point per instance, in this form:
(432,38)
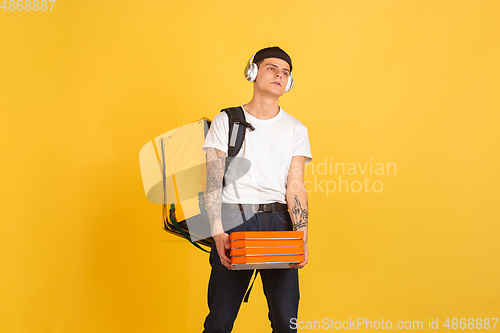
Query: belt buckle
(255,208)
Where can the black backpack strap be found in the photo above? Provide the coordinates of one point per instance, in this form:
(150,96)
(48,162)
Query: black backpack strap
(237,130)
(251,286)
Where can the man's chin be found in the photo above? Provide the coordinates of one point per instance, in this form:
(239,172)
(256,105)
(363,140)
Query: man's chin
(277,93)
(274,92)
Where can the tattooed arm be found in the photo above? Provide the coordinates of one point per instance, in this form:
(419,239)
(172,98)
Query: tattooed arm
(296,198)
(216,161)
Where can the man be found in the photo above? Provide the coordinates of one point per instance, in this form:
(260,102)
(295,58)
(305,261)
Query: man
(268,169)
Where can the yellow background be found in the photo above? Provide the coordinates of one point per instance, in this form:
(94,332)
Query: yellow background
(85,86)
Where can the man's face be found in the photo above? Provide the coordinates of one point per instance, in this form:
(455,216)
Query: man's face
(272,76)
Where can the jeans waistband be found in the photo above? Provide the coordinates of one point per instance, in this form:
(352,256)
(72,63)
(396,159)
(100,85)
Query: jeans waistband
(270,207)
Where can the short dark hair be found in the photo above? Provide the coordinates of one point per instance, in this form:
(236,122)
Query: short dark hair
(272,52)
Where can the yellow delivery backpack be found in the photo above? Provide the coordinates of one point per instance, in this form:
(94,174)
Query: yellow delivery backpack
(174,173)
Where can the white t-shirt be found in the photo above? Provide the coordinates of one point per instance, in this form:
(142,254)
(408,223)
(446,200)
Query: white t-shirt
(258,173)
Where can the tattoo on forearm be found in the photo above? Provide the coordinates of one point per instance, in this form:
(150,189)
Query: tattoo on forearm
(299,214)
(213,192)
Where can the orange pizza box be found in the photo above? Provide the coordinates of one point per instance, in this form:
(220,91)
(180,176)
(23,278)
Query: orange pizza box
(259,265)
(266,250)
(267,259)
(266,243)
(261,235)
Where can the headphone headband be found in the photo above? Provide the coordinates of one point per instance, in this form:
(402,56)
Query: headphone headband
(251,68)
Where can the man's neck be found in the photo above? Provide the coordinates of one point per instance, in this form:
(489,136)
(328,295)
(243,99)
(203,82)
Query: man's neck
(263,108)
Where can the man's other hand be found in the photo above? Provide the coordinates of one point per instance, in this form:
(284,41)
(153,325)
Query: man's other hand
(222,243)
(306,257)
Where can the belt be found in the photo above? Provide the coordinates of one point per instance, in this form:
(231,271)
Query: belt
(270,207)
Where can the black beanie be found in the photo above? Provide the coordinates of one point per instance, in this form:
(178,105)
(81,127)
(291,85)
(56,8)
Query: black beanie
(273,52)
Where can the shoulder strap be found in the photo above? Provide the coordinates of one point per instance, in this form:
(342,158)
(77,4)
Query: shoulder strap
(237,129)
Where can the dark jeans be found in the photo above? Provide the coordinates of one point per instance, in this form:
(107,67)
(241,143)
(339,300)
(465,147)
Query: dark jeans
(227,288)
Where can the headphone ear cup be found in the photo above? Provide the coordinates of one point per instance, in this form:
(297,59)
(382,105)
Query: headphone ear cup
(289,84)
(251,72)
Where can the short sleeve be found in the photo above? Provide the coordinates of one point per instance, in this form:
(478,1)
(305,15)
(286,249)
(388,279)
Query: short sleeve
(217,136)
(301,145)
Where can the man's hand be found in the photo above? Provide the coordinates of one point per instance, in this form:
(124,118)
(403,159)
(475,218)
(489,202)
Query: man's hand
(222,243)
(306,257)
(296,199)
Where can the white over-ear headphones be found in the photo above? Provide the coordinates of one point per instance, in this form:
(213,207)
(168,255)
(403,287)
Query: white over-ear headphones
(251,74)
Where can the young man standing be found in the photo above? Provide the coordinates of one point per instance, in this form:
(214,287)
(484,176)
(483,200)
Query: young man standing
(263,180)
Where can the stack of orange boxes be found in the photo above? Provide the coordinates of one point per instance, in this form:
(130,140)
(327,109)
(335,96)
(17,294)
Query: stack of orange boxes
(266,249)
